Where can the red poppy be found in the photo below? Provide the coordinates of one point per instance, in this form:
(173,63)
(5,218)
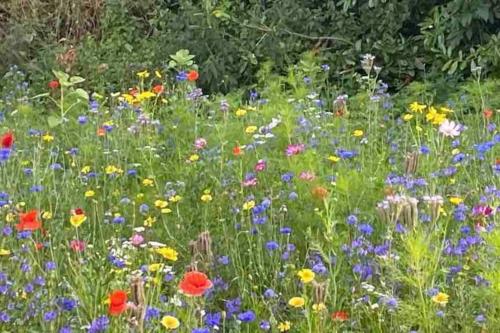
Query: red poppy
(193,75)
(39,246)
(29,221)
(117,302)
(79,211)
(158,89)
(7,140)
(340,316)
(54,84)
(77,245)
(488,113)
(195,283)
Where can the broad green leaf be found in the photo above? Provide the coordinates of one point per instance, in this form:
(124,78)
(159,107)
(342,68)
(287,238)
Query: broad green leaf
(82,94)
(76,79)
(54,121)
(61,75)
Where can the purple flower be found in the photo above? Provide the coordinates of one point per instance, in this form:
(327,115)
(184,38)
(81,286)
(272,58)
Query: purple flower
(247,316)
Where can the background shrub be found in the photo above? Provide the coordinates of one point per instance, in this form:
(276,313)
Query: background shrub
(105,40)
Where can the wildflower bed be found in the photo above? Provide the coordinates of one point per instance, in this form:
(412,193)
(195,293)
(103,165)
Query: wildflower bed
(161,209)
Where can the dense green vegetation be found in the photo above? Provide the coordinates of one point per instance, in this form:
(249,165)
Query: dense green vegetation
(112,39)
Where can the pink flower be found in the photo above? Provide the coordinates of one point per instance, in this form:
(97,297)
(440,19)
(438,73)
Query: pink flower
(295,149)
(260,166)
(449,128)
(200,143)
(307,175)
(77,245)
(136,239)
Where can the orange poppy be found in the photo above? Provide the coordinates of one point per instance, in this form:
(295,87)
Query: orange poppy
(319,192)
(101,131)
(340,316)
(29,221)
(117,302)
(158,89)
(195,283)
(237,151)
(193,75)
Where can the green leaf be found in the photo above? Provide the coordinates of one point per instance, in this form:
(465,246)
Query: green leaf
(82,94)
(54,121)
(76,79)
(61,75)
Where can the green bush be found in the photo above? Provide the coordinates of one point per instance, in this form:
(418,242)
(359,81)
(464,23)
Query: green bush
(412,39)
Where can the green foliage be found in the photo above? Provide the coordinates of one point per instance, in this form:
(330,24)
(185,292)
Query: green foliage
(412,39)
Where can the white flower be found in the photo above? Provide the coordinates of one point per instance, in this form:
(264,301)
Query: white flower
(449,128)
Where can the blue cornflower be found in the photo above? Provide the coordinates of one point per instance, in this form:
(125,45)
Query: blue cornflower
(99,324)
(49,316)
(200,330)
(365,228)
(265,325)
(269,293)
(272,245)
(223,260)
(152,312)
(247,316)
(352,219)
(213,319)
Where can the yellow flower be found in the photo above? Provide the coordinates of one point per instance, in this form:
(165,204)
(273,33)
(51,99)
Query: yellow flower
(175,198)
(149,221)
(249,205)
(46,215)
(456,200)
(77,220)
(111,169)
(4,252)
(155,267)
(167,253)
(357,133)
(170,322)
(416,107)
(284,326)
(89,194)
(296,302)
(10,217)
(47,137)
(319,307)
(146,95)
(455,151)
(407,117)
(158,74)
(143,74)
(166,211)
(85,169)
(441,298)
(206,197)
(333,158)
(445,110)
(306,275)
(434,117)
(147,182)
(161,204)
(250,129)
(194,158)
(241,112)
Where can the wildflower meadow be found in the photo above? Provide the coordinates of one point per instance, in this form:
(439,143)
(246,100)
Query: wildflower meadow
(291,206)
